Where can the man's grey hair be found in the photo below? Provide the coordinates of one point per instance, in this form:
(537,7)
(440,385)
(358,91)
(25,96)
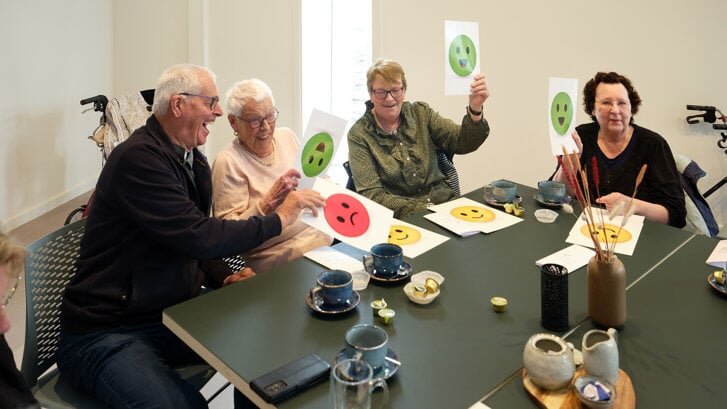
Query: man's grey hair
(176,80)
(244,91)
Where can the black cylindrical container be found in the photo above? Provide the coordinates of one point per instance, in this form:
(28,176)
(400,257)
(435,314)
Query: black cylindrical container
(554,297)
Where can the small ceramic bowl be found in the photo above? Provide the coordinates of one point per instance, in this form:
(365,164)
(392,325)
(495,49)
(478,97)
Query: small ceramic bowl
(581,382)
(360,280)
(414,293)
(546,215)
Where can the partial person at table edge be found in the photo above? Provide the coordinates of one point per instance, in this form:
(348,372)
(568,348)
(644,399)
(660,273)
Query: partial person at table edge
(393,146)
(14,390)
(620,148)
(252,175)
(150,243)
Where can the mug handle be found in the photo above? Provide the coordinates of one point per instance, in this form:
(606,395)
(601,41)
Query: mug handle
(368,262)
(401,271)
(488,190)
(313,292)
(381,384)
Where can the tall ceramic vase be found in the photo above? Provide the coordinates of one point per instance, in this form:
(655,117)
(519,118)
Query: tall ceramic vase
(607,292)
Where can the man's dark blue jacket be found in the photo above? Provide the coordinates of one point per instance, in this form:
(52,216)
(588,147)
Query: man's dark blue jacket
(149,241)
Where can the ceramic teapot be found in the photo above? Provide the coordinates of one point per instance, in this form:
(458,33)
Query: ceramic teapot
(548,360)
(600,354)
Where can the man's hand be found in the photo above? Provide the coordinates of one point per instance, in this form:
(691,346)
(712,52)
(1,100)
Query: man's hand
(295,202)
(243,274)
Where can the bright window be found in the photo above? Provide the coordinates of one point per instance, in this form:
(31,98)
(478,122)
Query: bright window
(336,52)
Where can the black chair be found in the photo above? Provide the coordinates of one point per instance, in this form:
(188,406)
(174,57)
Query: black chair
(49,266)
(349,183)
(446,165)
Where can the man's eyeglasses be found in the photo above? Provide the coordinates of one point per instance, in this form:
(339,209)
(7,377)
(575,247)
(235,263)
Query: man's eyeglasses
(213,100)
(257,122)
(7,294)
(382,93)
(606,105)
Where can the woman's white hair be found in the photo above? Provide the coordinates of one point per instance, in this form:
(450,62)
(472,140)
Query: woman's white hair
(176,80)
(239,94)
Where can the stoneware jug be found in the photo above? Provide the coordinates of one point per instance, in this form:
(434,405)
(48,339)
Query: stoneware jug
(600,354)
(548,359)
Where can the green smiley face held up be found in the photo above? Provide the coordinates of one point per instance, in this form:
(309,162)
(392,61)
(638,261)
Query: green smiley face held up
(462,55)
(316,154)
(561,112)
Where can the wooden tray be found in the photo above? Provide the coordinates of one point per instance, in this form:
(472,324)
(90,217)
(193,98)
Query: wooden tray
(566,398)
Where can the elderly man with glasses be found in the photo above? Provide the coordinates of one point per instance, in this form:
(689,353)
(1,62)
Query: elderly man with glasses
(393,148)
(149,244)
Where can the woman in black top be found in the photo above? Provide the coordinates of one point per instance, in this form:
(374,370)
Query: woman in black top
(620,148)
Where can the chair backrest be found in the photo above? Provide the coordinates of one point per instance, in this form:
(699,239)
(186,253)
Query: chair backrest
(349,183)
(699,215)
(446,165)
(236,263)
(49,266)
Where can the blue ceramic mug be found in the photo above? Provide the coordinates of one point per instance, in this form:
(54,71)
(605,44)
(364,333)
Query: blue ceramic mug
(551,191)
(385,260)
(368,342)
(501,190)
(334,287)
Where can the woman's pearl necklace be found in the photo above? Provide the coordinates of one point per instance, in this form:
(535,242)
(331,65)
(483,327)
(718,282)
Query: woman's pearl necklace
(263,162)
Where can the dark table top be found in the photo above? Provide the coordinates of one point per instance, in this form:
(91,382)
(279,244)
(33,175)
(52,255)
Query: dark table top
(454,351)
(672,343)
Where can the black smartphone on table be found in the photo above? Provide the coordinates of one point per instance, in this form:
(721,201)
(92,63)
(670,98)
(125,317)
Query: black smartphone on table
(291,378)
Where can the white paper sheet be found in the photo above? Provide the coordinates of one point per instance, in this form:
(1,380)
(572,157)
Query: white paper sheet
(627,239)
(466,217)
(414,240)
(562,104)
(461,56)
(333,259)
(318,147)
(572,257)
(350,217)
(718,258)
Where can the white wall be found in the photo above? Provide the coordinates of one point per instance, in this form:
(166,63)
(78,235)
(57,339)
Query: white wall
(53,55)
(671,49)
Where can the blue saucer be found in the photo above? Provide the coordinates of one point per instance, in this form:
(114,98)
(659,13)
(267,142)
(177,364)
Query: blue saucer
(717,286)
(553,205)
(385,372)
(319,306)
(403,274)
(494,202)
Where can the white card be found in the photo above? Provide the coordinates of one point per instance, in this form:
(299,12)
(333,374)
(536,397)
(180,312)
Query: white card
(333,259)
(628,236)
(318,147)
(350,217)
(466,217)
(562,101)
(572,257)
(718,258)
(414,240)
